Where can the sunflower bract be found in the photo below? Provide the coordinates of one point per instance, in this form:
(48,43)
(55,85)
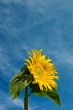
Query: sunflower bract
(42,69)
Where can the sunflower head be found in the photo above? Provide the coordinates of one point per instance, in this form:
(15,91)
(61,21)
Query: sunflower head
(42,70)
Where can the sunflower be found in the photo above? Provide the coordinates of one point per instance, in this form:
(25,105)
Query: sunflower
(42,70)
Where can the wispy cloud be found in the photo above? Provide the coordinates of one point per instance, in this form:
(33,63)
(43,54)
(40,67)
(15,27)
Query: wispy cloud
(7,65)
(65,57)
(6,103)
(18,102)
(2,107)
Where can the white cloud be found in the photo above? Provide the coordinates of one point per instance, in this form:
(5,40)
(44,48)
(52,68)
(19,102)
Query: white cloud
(7,66)
(18,102)
(5,63)
(65,57)
(7,103)
(2,107)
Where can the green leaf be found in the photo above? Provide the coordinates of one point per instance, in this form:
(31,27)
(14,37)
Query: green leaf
(17,83)
(53,95)
(25,70)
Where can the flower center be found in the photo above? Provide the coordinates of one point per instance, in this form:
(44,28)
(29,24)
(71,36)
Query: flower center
(38,70)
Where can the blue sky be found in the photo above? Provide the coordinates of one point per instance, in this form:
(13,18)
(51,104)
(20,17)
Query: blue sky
(40,24)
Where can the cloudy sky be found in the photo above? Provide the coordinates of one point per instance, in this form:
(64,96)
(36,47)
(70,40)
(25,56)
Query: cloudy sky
(40,24)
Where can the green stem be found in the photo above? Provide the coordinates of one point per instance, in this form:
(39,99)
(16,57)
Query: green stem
(26,99)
